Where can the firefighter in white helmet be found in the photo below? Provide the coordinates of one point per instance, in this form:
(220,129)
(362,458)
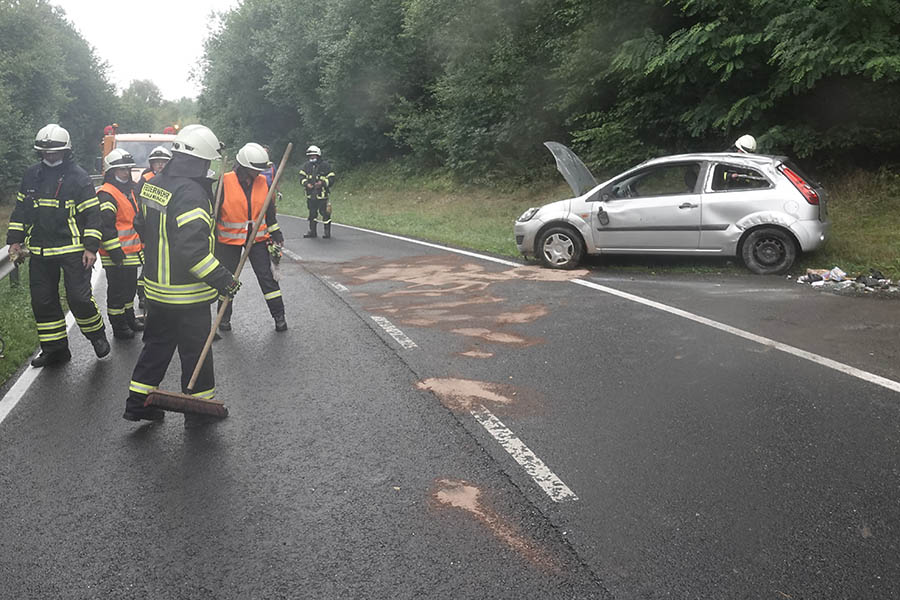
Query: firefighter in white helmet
(57,217)
(317,178)
(181,275)
(120,252)
(244,192)
(746,144)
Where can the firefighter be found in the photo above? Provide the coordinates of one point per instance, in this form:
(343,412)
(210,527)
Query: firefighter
(746,144)
(181,275)
(57,217)
(120,253)
(317,178)
(158,158)
(244,194)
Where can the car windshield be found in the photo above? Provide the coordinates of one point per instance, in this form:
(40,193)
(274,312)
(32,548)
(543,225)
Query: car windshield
(141,150)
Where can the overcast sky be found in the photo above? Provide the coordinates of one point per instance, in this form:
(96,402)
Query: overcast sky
(159,40)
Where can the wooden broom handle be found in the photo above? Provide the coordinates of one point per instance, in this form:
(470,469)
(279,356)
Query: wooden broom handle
(240,267)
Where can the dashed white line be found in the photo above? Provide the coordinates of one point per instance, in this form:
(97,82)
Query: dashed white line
(534,466)
(20,387)
(394,332)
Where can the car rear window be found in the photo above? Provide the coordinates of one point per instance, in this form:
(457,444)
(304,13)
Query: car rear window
(731,177)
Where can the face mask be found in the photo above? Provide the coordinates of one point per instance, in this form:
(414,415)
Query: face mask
(313,159)
(122,179)
(55,163)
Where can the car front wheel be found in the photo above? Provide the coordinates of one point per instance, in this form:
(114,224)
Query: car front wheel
(769,251)
(560,248)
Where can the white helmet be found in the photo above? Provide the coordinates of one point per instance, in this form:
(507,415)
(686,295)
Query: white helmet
(253,156)
(313,150)
(52,137)
(160,153)
(199,141)
(746,143)
(117,157)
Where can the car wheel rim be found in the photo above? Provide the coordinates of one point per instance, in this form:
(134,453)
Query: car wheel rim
(559,249)
(769,251)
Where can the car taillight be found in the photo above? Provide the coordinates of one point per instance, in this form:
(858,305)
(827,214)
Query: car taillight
(810,194)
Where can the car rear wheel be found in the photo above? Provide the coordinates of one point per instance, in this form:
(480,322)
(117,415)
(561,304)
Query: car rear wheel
(560,248)
(769,251)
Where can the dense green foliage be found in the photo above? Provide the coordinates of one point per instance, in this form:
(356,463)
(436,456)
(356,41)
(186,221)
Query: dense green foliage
(475,86)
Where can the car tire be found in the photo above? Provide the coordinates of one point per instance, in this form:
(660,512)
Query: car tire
(769,251)
(560,248)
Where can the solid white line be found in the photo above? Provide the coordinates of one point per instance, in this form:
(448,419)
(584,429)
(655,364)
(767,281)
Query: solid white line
(534,466)
(338,286)
(394,332)
(816,358)
(821,360)
(291,254)
(20,387)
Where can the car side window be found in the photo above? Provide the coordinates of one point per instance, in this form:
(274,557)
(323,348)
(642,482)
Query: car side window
(730,178)
(662,180)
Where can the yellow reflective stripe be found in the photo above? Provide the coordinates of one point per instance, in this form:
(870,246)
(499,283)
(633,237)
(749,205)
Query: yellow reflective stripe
(13,226)
(61,250)
(112,244)
(52,337)
(114,311)
(203,268)
(20,197)
(95,233)
(51,324)
(192,215)
(162,258)
(87,320)
(206,394)
(197,298)
(140,388)
(272,295)
(177,288)
(48,202)
(129,304)
(107,205)
(131,260)
(86,204)
(275,227)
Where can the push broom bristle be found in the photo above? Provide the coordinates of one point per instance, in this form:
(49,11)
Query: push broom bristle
(175,402)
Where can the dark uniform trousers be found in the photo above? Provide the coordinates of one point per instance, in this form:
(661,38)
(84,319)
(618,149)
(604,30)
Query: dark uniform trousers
(230,255)
(165,330)
(44,283)
(320,206)
(121,286)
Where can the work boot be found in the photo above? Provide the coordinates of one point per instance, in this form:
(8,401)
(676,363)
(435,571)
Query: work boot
(134,323)
(101,345)
(147,413)
(47,359)
(280,323)
(312,230)
(327,233)
(225,325)
(120,328)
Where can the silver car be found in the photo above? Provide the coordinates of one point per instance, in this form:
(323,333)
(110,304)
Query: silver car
(758,207)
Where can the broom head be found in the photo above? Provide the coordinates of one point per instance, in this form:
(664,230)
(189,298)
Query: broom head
(183,403)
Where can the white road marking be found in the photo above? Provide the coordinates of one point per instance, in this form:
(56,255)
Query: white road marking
(394,332)
(534,466)
(811,356)
(816,358)
(338,286)
(291,254)
(20,387)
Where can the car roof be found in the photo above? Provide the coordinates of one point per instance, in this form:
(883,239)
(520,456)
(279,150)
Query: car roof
(732,157)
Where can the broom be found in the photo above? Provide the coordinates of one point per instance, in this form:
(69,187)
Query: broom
(185,403)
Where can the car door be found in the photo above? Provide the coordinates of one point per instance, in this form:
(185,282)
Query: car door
(655,209)
(731,193)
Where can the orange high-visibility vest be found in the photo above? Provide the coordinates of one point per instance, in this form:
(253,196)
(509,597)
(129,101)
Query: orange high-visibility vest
(125,211)
(236,217)
(148,175)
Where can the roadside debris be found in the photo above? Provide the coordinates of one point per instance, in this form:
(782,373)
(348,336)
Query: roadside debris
(836,280)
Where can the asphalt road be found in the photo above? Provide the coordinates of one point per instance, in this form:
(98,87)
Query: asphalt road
(435,424)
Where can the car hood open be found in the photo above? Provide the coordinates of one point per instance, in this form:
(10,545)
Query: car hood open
(576,174)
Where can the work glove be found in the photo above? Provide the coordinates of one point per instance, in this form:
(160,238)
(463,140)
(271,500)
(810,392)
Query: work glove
(230,290)
(275,252)
(277,237)
(319,185)
(310,185)
(117,255)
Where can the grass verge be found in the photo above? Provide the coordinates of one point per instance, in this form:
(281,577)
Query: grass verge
(16,325)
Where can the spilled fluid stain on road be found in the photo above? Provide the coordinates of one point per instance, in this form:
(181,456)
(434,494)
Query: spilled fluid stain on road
(463,395)
(462,495)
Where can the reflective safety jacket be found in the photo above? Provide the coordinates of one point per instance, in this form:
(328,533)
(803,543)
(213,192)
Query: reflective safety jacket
(56,212)
(317,171)
(240,210)
(179,266)
(117,213)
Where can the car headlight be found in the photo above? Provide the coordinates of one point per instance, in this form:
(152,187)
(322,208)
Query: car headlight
(526,216)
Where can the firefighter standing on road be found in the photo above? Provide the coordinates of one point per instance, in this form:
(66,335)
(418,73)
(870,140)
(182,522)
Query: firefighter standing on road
(181,275)
(157,159)
(120,252)
(316,177)
(57,217)
(244,194)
